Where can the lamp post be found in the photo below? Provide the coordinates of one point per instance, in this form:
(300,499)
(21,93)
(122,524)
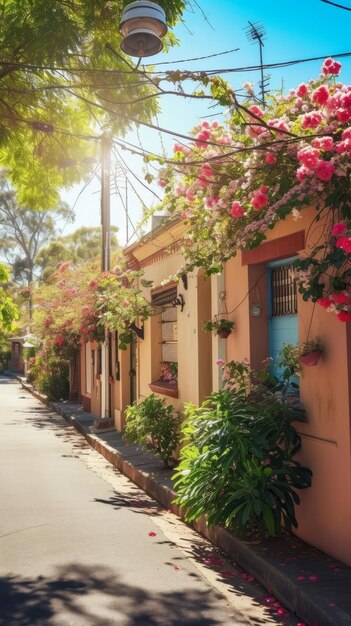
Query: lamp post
(143,24)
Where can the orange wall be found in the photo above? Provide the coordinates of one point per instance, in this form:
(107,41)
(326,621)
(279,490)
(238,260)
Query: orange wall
(324,515)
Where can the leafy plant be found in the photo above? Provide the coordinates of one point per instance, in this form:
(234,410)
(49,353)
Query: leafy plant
(311,346)
(49,374)
(288,361)
(218,325)
(237,466)
(152,425)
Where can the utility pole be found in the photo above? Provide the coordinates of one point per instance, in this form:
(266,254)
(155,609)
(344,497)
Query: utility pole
(105,263)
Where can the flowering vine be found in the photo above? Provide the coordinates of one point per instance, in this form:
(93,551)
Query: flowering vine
(236,180)
(78,303)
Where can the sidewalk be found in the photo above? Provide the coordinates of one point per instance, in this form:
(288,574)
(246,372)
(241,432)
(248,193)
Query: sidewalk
(314,586)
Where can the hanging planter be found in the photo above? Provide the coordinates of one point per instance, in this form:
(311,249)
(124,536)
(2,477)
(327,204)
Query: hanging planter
(311,358)
(310,352)
(221,325)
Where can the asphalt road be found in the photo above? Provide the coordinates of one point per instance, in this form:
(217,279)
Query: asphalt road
(80,545)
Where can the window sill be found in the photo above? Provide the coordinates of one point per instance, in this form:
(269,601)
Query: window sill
(165,389)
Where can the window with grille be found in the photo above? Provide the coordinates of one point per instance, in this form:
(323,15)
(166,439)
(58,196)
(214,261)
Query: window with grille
(284,291)
(169,335)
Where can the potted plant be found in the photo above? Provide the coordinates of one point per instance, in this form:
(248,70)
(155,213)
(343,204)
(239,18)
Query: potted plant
(221,327)
(310,352)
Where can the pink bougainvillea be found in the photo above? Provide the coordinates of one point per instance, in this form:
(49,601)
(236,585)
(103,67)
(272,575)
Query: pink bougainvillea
(236,180)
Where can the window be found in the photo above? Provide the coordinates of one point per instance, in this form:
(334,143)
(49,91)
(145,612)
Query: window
(165,342)
(169,341)
(284,292)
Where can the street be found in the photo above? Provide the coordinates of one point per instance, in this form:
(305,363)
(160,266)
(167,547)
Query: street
(82,545)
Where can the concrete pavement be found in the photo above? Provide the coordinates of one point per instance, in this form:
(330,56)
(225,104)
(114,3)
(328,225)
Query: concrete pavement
(307,582)
(81,545)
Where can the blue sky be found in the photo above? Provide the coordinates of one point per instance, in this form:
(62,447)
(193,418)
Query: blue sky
(294,30)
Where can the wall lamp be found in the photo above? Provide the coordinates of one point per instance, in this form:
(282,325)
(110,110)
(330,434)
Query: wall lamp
(178,301)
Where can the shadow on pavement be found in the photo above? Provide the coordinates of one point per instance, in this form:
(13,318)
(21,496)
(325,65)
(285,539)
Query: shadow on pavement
(94,596)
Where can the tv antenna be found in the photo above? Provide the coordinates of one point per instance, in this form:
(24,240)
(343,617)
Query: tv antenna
(255,33)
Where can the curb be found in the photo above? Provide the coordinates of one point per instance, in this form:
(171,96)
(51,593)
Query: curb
(299,599)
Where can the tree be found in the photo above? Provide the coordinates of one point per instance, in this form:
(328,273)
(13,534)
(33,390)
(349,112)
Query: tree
(8,309)
(81,246)
(24,231)
(57,76)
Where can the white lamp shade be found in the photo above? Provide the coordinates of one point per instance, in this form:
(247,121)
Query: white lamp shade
(142,26)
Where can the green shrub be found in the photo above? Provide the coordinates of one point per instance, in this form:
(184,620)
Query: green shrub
(49,374)
(237,466)
(152,425)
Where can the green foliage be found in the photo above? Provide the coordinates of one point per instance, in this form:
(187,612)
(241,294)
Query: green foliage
(218,325)
(23,231)
(8,309)
(5,352)
(58,72)
(49,374)
(81,246)
(152,425)
(120,302)
(237,466)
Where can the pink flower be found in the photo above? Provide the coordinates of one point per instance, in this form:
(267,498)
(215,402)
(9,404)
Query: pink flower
(254,131)
(203,181)
(311,120)
(205,124)
(162,183)
(92,284)
(301,173)
(344,146)
(323,143)
(343,115)
(341,298)
(278,124)
(301,90)
(215,124)
(346,133)
(201,137)
(308,156)
(324,302)
(330,66)
(220,362)
(59,340)
(256,111)
(206,170)
(320,95)
(270,158)
(260,199)
(325,170)
(237,209)
(344,316)
(64,266)
(338,229)
(344,243)
(178,148)
(190,196)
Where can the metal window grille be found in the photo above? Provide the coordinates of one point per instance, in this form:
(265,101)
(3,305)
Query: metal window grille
(169,335)
(284,291)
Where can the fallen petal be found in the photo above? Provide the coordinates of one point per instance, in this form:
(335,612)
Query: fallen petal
(152,533)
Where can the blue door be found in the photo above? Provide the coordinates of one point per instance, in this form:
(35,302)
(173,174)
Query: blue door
(283,325)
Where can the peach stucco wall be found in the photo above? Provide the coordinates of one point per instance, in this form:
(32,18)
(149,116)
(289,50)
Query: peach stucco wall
(324,515)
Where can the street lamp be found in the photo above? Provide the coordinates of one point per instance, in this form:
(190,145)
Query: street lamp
(143,24)
(142,27)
